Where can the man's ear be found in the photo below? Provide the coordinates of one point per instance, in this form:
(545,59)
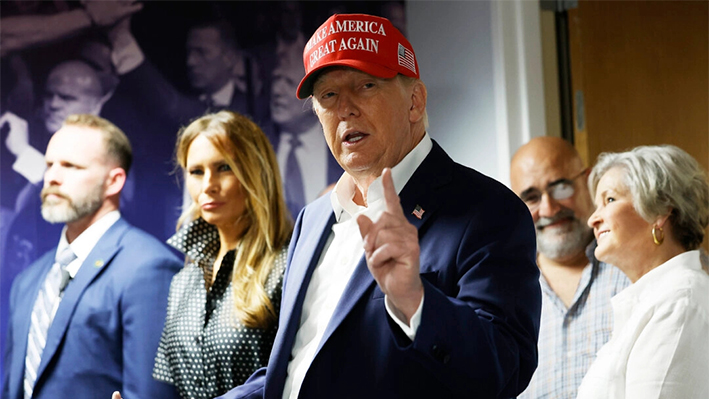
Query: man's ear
(418,101)
(115,181)
(232,57)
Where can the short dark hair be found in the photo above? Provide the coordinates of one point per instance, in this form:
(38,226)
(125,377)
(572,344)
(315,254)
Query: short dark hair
(225,29)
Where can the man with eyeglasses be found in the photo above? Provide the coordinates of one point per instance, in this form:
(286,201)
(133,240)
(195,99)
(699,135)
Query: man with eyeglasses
(548,174)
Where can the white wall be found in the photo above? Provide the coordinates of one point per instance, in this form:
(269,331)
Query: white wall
(481,62)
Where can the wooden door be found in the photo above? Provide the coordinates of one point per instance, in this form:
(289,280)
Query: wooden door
(640,75)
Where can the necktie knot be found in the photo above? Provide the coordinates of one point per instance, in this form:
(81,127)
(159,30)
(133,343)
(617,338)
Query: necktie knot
(295,142)
(65,257)
(208,101)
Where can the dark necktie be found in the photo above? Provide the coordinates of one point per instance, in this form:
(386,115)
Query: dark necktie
(43,311)
(209,102)
(295,192)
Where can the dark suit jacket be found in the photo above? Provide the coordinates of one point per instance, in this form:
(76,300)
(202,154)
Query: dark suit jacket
(105,333)
(482,301)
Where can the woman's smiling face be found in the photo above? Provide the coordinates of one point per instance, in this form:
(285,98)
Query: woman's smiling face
(622,234)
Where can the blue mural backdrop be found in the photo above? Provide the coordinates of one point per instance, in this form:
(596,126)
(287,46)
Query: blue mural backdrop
(150,69)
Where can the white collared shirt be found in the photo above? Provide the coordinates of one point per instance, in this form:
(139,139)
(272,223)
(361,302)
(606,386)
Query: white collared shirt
(86,241)
(221,97)
(342,253)
(312,158)
(659,347)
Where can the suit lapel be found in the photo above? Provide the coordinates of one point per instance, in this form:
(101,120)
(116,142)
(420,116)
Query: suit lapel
(314,233)
(98,259)
(421,191)
(359,283)
(303,264)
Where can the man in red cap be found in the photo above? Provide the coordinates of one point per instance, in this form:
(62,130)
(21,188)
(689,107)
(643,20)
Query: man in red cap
(416,276)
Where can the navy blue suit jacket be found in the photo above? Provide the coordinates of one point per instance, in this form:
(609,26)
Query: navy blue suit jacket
(105,333)
(482,302)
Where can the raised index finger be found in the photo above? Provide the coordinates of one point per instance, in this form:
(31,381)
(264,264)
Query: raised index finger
(391,198)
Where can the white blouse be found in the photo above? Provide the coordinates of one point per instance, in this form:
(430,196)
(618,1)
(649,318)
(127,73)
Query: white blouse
(659,347)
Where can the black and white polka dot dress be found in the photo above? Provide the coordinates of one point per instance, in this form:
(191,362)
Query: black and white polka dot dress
(204,350)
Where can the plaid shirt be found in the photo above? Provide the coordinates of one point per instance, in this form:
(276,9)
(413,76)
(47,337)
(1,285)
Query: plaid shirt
(569,338)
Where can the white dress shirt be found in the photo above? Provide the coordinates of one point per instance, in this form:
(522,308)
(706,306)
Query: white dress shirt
(221,97)
(659,347)
(86,241)
(342,253)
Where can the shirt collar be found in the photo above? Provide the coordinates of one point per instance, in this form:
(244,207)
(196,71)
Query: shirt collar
(343,193)
(643,286)
(588,274)
(221,97)
(311,137)
(197,240)
(87,240)
(650,285)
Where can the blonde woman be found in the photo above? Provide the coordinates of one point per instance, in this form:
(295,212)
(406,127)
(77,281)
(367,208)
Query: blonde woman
(223,306)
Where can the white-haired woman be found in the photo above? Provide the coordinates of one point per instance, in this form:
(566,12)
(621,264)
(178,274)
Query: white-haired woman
(652,209)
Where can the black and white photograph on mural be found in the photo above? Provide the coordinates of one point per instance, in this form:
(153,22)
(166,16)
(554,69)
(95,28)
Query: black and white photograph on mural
(151,67)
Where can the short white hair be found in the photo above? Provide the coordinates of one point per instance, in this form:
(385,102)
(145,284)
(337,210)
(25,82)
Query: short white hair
(662,179)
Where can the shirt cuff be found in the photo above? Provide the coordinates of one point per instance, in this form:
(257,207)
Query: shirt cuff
(409,330)
(126,55)
(30,164)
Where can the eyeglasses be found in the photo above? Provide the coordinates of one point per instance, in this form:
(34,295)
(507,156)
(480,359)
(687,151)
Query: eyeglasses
(558,190)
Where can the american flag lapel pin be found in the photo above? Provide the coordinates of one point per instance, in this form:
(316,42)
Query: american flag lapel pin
(418,211)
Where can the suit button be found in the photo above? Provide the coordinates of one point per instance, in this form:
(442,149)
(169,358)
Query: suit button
(440,354)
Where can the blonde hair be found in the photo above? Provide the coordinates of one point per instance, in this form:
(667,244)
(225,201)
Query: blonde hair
(250,156)
(116,142)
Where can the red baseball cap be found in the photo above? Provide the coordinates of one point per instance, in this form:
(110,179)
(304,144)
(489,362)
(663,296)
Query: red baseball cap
(360,41)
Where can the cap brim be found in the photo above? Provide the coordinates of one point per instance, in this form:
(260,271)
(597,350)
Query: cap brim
(305,88)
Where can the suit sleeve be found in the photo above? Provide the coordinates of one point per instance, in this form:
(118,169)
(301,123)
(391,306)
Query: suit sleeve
(143,308)
(251,389)
(6,366)
(480,318)
(7,355)
(160,99)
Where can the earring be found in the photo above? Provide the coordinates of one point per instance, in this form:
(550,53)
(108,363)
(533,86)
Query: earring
(655,238)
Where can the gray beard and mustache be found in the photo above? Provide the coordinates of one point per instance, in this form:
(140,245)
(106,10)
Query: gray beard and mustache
(561,242)
(68,209)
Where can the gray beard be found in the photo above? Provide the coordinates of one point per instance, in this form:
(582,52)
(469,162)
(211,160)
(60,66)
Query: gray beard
(68,210)
(555,243)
